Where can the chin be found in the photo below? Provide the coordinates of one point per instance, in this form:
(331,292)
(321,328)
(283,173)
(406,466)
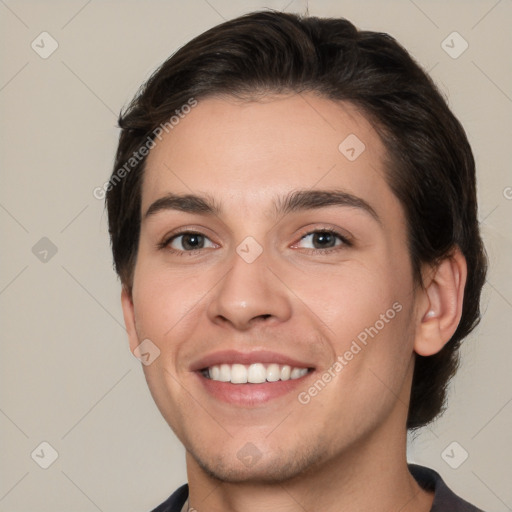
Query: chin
(251,466)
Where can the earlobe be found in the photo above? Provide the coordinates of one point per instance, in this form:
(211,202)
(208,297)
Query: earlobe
(441,308)
(129,317)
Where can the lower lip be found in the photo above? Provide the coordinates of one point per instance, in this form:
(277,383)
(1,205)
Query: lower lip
(251,394)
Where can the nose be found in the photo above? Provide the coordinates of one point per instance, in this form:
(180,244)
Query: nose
(250,293)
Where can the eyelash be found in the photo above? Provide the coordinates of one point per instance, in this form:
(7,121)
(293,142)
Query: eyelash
(164,245)
(345,241)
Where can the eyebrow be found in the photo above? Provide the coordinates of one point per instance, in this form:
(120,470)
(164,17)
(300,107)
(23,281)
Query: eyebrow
(295,201)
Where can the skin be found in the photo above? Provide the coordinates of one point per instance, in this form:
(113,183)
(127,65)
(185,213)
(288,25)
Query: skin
(307,305)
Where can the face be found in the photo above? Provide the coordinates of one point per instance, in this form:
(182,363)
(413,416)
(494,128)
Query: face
(289,268)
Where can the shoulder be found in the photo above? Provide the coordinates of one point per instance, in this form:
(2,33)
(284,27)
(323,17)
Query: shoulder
(175,501)
(445,500)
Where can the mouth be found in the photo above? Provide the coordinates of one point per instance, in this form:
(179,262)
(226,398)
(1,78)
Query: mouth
(255,373)
(253,385)
(251,378)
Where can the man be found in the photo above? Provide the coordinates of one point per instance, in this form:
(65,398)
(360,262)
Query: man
(293,218)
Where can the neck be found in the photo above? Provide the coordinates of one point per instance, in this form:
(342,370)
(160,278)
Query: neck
(371,476)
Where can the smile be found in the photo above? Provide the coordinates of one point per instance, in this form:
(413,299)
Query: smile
(255,373)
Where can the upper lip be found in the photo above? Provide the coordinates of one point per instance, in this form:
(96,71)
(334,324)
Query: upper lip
(256,356)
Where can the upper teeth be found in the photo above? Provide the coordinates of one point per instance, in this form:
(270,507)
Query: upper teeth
(254,373)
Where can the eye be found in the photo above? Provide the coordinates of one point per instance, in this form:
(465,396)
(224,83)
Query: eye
(322,239)
(187,241)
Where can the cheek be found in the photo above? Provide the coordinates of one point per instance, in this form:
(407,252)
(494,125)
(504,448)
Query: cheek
(349,297)
(164,298)
(367,307)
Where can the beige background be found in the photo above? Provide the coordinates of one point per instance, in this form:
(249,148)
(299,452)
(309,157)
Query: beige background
(67,376)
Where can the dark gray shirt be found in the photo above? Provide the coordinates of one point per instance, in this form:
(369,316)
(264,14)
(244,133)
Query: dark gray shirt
(444,499)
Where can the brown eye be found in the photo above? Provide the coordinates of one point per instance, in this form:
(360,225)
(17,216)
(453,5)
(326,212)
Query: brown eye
(323,239)
(189,242)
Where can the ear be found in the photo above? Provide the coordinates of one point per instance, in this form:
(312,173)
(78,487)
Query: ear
(440,308)
(129,318)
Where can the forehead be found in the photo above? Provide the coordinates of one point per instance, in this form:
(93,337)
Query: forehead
(246,154)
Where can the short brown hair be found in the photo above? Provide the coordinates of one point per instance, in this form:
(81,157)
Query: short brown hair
(430,165)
